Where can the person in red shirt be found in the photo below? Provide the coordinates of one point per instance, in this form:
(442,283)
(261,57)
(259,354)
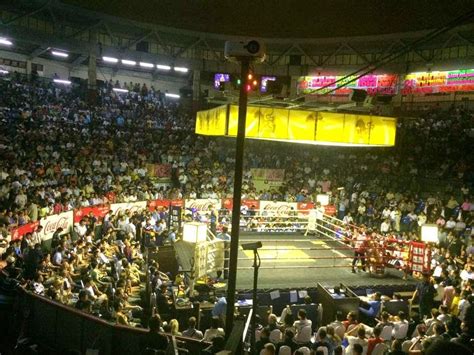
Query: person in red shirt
(376,339)
(360,249)
(351,320)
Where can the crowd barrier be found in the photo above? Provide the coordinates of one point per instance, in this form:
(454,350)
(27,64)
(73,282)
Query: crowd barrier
(66,220)
(63,328)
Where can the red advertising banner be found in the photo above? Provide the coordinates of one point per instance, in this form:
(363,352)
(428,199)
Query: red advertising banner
(98,211)
(330,210)
(228,203)
(152,205)
(177,203)
(19,232)
(305,207)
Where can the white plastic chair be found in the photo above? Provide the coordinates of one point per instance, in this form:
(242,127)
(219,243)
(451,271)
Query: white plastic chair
(275,336)
(305,350)
(406,345)
(400,331)
(304,336)
(323,349)
(379,349)
(387,333)
(284,350)
(340,331)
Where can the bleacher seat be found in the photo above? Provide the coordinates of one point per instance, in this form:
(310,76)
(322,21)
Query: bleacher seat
(380,349)
(275,336)
(284,350)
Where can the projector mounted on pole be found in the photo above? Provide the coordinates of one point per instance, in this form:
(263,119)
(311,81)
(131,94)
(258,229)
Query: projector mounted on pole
(251,50)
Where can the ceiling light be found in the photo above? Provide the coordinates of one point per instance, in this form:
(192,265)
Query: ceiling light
(173,96)
(119,90)
(61,81)
(181,69)
(146,65)
(5,41)
(128,62)
(163,67)
(110,59)
(2,71)
(60,54)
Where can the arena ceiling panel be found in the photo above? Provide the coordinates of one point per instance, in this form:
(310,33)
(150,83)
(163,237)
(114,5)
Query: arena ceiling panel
(286,18)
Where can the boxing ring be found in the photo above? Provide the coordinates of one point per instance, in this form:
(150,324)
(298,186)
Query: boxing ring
(300,251)
(303,248)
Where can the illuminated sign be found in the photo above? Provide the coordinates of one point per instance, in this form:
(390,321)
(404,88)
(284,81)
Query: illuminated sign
(220,78)
(299,126)
(374,84)
(439,81)
(264,82)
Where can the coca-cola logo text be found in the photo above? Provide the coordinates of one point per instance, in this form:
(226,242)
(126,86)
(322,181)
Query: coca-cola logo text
(52,226)
(202,205)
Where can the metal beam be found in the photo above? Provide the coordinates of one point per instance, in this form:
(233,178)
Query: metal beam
(27,14)
(216,57)
(87,28)
(187,48)
(298,47)
(281,55)
(364,58)
(79,60)
(138,40)
(37,51)
(341,46)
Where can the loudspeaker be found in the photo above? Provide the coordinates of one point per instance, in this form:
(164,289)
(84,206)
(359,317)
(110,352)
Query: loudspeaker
(384,99)
(274,87)
(358,95)
(142,46)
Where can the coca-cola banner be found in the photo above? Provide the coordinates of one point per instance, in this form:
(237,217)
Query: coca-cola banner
(98,211)
(51,223)
(203,204)
(275,208)
(227,203)
(19,232)
(118,208)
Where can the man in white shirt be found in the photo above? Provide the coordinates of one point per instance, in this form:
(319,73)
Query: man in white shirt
(359,339)
(81,228)
(300,324)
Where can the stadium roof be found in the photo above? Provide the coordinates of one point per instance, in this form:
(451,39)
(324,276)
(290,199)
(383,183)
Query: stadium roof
(286,18)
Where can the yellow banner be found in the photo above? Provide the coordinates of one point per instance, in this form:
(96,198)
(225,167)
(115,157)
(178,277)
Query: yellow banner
(300,126)
(212,122)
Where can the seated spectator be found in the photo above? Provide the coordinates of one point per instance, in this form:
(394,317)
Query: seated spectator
(323,341)
(214,330)
(396,348)
(192,332)
(264,339)
(218,344)
(360,340)
(288,340)
(300,325)
(374,307)
(154,339)
(376,339)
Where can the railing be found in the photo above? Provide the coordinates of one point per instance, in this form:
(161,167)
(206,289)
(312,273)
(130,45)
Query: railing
(62,328)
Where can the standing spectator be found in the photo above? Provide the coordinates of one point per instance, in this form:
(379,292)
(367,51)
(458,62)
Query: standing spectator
(424,295)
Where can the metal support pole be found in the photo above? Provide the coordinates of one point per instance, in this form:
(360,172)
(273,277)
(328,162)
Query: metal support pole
(239,162)
(256,265)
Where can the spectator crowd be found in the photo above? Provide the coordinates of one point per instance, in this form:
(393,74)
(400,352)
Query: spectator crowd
(60,153)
